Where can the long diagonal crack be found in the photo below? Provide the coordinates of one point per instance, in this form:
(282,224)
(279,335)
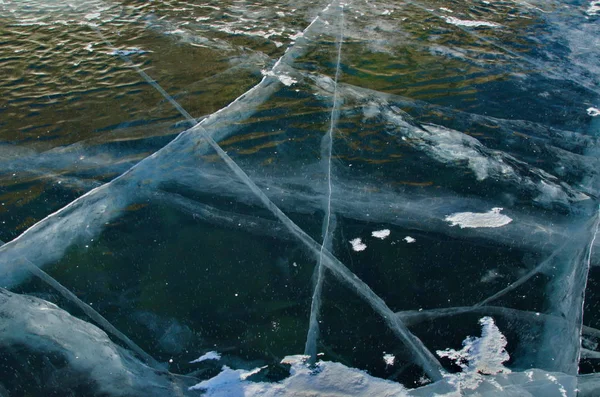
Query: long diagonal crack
(47,240)
(522,280)
(87,214)
(90,312)
(328,229)
(420,353)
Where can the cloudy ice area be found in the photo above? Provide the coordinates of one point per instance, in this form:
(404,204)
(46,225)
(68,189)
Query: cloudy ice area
(179,178)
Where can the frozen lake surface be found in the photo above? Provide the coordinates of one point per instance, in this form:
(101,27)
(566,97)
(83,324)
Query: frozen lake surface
(228,198)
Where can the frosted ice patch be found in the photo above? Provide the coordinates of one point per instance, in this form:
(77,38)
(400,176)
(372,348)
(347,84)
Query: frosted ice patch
(357,244)
(492,218)
(327,379)
(409,239)
(594,8)
(207,356)
(287,80)
(284,78)
(479,356)
(381,234)
(226,378)
(473,24)
(593,111)
(389,359)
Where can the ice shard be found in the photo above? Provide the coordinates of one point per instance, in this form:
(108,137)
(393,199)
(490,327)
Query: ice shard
(72,355)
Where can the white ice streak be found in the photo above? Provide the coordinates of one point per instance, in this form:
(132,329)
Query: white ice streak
(492,218)
(468,23)
(565,298)
(328,224)
(381,234)
(207,356)
(358,245)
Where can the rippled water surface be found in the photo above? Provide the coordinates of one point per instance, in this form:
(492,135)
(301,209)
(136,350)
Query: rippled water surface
(324,197)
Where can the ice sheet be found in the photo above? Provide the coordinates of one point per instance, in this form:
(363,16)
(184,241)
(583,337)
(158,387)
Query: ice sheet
(350,134)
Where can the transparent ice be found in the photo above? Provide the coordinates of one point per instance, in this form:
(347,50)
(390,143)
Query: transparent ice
(322,151)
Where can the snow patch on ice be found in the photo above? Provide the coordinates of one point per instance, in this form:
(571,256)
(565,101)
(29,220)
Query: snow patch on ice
(284,78)
(207,356)
(358,245)
(479,356)
(492,218)
(593,111)
(326,379)
(389,359)
(381,234)
(409,239)
(481,360)
(287,80)
(224,380)
(475,24)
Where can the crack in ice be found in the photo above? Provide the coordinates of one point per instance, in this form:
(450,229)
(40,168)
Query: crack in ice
(327,153)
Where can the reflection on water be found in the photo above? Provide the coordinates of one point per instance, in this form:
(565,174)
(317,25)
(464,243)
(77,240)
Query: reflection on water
(313,126)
